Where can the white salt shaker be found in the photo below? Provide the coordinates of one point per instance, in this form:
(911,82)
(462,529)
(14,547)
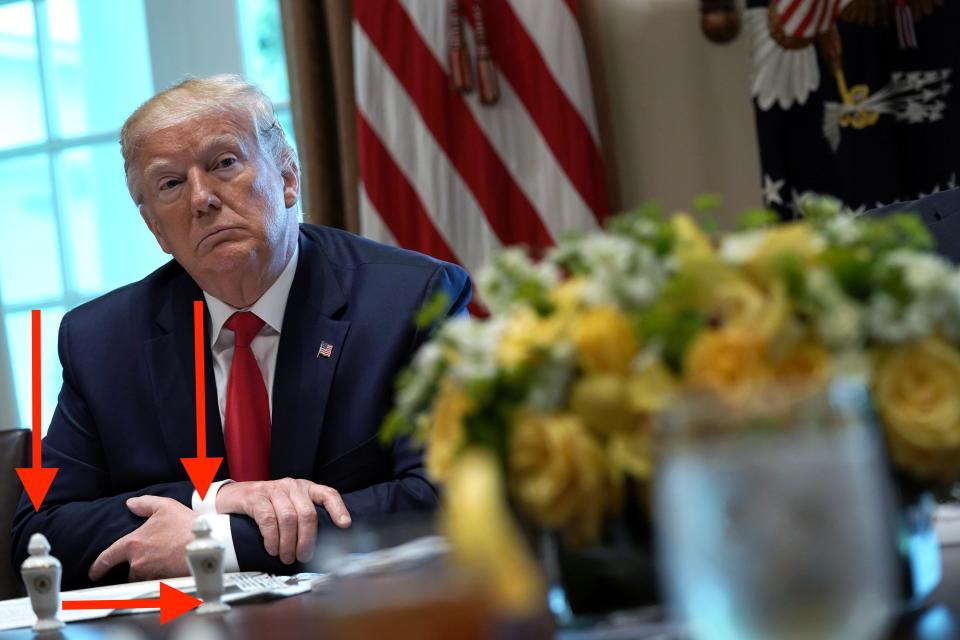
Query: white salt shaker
(205,556)
(41,574)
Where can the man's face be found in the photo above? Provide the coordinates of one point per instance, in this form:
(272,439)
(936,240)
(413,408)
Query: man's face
(213,200)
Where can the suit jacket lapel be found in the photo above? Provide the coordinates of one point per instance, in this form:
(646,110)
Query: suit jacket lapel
(170,361)
(301,389)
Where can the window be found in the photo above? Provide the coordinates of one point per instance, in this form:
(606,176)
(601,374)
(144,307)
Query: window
(68,229)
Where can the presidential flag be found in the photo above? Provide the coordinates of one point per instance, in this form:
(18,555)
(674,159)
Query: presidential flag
(855,98)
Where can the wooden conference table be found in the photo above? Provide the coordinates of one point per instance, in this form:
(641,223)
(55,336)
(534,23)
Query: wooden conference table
(432,612)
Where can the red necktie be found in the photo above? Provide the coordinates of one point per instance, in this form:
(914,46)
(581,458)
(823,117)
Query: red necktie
(247,427)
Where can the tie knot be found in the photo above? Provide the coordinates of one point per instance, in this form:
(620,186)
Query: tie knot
(245,326)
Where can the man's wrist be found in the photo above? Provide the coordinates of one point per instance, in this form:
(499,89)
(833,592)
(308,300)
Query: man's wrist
(208,506)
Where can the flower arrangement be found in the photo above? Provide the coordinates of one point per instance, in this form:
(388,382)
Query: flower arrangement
(583,348)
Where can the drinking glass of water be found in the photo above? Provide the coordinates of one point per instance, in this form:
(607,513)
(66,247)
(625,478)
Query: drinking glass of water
(777,524)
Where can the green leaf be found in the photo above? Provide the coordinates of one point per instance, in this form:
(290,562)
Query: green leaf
(752,219)
(394,426)
(433,311)
(707,203)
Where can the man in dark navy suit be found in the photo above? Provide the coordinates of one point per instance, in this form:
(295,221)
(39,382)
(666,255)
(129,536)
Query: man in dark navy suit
(941,213)
(306,328)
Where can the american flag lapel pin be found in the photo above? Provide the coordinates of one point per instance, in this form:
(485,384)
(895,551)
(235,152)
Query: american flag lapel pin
(326,349)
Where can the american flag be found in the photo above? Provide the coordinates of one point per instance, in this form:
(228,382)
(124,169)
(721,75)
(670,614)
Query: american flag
(445,174)
(326,350)
(807,18)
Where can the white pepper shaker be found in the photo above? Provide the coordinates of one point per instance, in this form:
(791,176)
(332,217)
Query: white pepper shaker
(205,556)
(41,574)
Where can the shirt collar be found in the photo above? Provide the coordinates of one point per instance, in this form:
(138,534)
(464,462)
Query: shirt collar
(269,307)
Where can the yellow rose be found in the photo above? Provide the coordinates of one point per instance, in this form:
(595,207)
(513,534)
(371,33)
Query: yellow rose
(734,301)
(567,297)
(602,402)
(559,475)
(803,368)
(485,540)
(632,452)
(604,340)
(792,241)
(916,389)
(693,245)
(528,334)
(651,389)
(446,434)
(728,362)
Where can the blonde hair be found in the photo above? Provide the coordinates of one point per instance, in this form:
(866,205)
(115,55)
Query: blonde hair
(223,94)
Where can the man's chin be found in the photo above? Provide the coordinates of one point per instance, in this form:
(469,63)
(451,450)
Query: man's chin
(227,256)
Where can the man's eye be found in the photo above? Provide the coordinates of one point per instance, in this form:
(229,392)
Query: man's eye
(226,162)
(168,184)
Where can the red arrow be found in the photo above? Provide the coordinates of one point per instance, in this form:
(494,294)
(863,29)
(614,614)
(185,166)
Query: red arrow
(172,603)
(36,480)
(200,469)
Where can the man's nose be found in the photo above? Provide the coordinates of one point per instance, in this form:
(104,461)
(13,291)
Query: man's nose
(203,196)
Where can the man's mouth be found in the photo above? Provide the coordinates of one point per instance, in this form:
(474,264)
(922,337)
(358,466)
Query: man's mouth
(214,234)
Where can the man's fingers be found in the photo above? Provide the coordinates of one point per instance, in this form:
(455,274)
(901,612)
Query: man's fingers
(331,501)
(146,506)
(306,523)
(287,524)
(111,557)
(266,519)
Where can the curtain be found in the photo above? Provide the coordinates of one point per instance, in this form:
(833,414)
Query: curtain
(317,38)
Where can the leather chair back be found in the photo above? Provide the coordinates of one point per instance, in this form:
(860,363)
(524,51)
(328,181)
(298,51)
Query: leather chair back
(14,452)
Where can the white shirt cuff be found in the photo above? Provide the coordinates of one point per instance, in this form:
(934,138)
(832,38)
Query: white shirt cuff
(220,531)
(207,506)
(219,523)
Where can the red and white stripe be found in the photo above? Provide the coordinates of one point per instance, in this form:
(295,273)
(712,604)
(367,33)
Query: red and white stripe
(807,18)
(442,173)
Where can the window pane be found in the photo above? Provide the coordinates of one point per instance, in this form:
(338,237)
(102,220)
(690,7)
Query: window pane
(19,335)
(21,112)
(99,79)
(110,244)
(264,60)
(29,251)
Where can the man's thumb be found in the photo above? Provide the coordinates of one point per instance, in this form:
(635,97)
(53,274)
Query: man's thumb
(144,506)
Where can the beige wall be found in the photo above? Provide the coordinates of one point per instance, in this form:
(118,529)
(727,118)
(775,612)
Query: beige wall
(680,107)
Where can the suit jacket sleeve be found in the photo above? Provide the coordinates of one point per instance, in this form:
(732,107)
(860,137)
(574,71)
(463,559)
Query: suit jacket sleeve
(409,490)
(82,514)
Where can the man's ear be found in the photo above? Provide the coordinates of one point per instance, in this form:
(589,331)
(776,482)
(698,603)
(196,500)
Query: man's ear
(291,185)
(154,229)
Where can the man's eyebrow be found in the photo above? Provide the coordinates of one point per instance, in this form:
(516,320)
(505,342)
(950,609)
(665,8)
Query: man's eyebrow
(220,141)
(155,166)
(158,165)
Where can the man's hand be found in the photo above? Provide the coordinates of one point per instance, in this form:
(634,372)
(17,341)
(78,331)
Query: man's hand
(285,511)
(156,549)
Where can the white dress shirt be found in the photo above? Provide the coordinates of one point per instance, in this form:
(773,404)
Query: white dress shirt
(270,308)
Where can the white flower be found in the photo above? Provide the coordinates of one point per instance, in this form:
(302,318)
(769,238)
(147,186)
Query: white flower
(922,273)
(927,279)
(510,276)
(475,344)
(951,303)
(891,322)
(738,248)
(837,318)
(618,270)
(843,230)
